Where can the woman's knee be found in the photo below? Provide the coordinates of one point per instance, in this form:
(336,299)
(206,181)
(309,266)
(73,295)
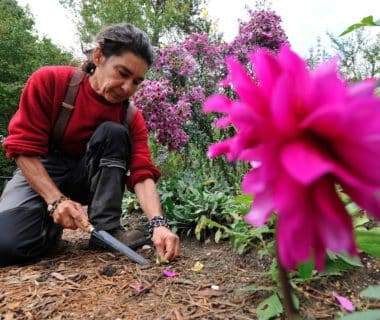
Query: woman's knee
(25,235)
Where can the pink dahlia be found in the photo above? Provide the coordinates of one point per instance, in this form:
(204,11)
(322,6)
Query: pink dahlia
(305,133)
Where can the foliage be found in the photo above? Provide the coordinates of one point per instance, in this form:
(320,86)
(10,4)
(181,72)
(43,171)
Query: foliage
(365,22)
(359,54)
(21,52)
(160,19)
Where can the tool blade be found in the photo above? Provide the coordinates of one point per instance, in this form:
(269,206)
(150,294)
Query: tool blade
(105,237)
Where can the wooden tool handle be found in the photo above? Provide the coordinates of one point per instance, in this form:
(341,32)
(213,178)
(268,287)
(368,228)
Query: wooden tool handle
(87,229)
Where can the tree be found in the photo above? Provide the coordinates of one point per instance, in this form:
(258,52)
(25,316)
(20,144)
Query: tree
(158,18)
(21,52)
(359,54)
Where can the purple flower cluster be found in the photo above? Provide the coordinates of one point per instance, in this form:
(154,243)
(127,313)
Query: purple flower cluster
(174,61)
(208,54)
(263,29)
(165,114)
(186,73)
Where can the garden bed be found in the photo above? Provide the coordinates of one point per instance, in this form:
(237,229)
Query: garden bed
(77,283)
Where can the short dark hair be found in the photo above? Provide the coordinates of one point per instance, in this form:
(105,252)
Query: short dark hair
(119,38)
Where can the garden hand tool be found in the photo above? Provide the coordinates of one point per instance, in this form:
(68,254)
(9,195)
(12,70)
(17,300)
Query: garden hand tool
(111,241)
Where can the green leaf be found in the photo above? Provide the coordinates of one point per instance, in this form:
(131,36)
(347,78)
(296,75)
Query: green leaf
(353,209)
(368,241)
(367,315)
(253,288)
(359,221)
(296,301)
(353,261)
(244,199)
(269,308)
(241,248)
(367,21)
(372,292)
(306,269)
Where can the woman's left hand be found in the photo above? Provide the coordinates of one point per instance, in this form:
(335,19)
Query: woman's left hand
(166,243)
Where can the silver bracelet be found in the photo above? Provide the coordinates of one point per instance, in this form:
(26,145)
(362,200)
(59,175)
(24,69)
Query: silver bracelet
(157,221)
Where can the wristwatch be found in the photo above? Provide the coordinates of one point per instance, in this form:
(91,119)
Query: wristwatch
(52,206)
(157,221)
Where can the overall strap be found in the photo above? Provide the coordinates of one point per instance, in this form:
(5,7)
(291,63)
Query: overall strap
(67,106)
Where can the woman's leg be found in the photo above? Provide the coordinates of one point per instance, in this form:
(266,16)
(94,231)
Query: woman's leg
(27,231)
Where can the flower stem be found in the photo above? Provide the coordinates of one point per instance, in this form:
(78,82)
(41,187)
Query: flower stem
(290,309)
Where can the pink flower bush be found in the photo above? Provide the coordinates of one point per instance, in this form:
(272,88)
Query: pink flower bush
(304,133)
(262,29)
(165,113)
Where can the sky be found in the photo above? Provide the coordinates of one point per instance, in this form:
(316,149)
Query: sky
(303,20)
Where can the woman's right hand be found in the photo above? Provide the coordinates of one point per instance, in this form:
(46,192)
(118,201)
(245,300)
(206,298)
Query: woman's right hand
(71,215)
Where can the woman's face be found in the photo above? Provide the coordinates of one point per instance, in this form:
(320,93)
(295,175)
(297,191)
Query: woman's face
(117,77)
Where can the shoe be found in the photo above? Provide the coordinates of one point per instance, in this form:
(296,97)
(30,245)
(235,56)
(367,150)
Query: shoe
(133,239)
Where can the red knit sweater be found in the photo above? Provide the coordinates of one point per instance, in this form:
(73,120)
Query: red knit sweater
(30,129)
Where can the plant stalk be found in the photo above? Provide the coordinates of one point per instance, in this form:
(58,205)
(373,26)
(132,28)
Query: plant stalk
(290,309)
(286,289)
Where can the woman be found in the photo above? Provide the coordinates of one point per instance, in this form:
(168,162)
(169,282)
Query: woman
(98,153)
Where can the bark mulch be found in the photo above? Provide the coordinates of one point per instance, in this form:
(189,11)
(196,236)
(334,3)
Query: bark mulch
(78,283)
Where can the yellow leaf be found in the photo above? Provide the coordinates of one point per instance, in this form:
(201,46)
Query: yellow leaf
(197,266)
(160,259)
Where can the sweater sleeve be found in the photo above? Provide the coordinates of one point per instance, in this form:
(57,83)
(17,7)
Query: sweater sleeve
(141,167)
(28,130)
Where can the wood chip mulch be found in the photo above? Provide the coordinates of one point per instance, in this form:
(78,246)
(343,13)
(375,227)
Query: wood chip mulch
(78,283)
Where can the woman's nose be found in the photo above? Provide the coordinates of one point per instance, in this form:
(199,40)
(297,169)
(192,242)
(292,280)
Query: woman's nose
(127,87)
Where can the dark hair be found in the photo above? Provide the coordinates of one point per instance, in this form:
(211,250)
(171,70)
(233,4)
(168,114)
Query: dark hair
(117,39)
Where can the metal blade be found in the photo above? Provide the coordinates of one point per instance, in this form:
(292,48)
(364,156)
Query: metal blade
(119,246)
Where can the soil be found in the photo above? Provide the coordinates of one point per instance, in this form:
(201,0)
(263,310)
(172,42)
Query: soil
(78,283)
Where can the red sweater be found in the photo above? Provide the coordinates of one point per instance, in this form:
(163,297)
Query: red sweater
(30,129)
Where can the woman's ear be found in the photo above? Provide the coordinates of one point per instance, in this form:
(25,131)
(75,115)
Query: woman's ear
(97,56)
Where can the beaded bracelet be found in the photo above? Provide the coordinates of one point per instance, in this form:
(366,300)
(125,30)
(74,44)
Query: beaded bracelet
(157,221)
(51,207)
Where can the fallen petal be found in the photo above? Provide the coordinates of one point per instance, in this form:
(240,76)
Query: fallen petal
(139,287)
(345,303)
(168,273)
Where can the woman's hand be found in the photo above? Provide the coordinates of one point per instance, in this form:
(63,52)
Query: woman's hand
(166,243)
(71,215)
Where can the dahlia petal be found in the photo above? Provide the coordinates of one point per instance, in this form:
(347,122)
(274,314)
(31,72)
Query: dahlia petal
(218,149)
(366,198)
(361,162)
(294,66)
(261,209)
(326,87)
(345,303)
(282,112)
(223,122)
(304,162)
(244,85)
(253,182)
(295,221)
(334,225)
(249,155)
(217,103)
(365,119)
(362,89)
(266,69)
(243,115)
